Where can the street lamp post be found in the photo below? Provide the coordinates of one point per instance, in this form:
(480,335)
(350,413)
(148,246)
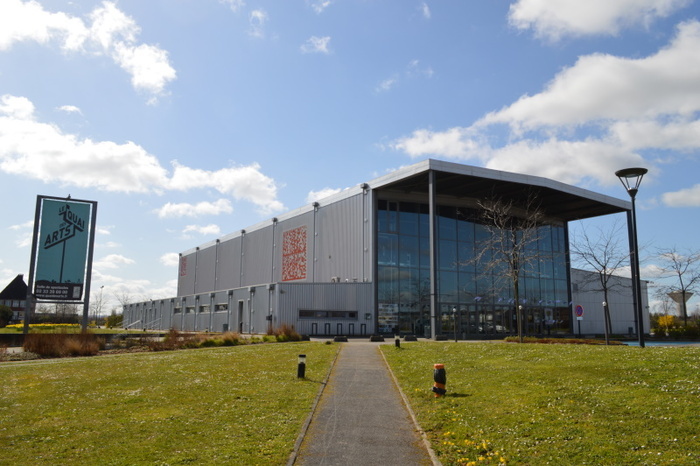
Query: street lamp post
(631,178)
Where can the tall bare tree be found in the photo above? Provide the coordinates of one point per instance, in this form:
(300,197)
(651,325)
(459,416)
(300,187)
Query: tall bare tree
(602,253)
(513,229)
(684,267)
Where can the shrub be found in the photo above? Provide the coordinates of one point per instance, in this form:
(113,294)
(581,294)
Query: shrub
(211,342)
(289,333)
(58,345)
(231,339)
(570,341)
(690,332)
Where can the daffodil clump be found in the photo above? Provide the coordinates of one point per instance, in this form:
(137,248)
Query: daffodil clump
(470,452)
(20,326)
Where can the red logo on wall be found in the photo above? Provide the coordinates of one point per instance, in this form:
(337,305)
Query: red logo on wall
(294,254)
(183,266)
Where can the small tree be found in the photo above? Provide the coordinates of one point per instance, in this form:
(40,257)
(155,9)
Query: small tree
(114,320)
(684,267)
(513,229)
(5,315)
(602,254)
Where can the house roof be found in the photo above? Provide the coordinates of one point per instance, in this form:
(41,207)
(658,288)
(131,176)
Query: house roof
(17,289)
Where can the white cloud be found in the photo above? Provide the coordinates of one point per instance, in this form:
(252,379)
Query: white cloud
(554,19)
(689,197)
(113,261)
(604,111)
(210,230)
(171,259)
(257,20)
(567,161)
(171,210)
(386,85)
(25,232)
(235,5)
(316,45)
(244,182)
(602,87)
(42,151)
(318,195)
(70,109)
(319,5)
(148,66)
(415,69)
(425,10)
(454,143)
(110,32)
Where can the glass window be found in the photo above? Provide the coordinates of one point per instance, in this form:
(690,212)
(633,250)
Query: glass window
(559,265)
(408,251)
(387,216)
(466,257)
(408,219)
(388,284)
(484,287)
(447,258)
(465,231)
(388,249)
(467,287)
(562,294)
(409,287)
(447,223)
(424,244)
(424,220)
(448,287)
(481,233)
(545,238)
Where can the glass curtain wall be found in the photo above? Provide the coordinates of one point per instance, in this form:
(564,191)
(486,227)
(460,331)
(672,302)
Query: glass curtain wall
(471,302)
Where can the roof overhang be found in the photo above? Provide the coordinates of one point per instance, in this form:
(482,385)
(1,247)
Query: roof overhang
(557,200)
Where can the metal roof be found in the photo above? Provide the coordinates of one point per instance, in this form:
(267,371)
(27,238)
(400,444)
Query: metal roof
(556,199)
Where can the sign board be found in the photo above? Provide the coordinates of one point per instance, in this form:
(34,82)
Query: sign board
(579,312)
(62,247)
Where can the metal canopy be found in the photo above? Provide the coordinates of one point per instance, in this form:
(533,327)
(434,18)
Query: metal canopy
(556,199)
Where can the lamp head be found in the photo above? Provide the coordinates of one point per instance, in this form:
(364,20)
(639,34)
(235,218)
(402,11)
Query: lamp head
(631,178)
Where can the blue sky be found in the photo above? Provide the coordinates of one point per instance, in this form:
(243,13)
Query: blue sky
(190,119)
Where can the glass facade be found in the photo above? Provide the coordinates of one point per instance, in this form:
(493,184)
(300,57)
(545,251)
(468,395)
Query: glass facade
(472,299)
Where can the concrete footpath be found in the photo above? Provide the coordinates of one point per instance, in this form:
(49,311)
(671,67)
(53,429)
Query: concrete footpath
(361,417)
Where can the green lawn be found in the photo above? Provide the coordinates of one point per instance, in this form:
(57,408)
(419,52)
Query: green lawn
(234,405)
(555,404)
(506,403)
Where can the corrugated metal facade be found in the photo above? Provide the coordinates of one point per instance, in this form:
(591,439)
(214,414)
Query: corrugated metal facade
(314,259)
(257,309)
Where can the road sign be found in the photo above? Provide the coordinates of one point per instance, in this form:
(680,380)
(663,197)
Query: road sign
(579,312)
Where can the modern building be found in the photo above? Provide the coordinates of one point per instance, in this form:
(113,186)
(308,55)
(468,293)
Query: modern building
(409,252)
(588,296)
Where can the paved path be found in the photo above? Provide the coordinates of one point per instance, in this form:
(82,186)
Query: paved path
(361,418)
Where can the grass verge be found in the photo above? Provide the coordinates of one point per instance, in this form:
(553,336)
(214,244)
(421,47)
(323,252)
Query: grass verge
(555,404)
(229,405)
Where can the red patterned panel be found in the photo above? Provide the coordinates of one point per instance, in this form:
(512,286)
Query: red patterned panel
(294,254)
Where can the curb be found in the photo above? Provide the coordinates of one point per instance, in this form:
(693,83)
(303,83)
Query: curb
(305,427)
(426,442)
